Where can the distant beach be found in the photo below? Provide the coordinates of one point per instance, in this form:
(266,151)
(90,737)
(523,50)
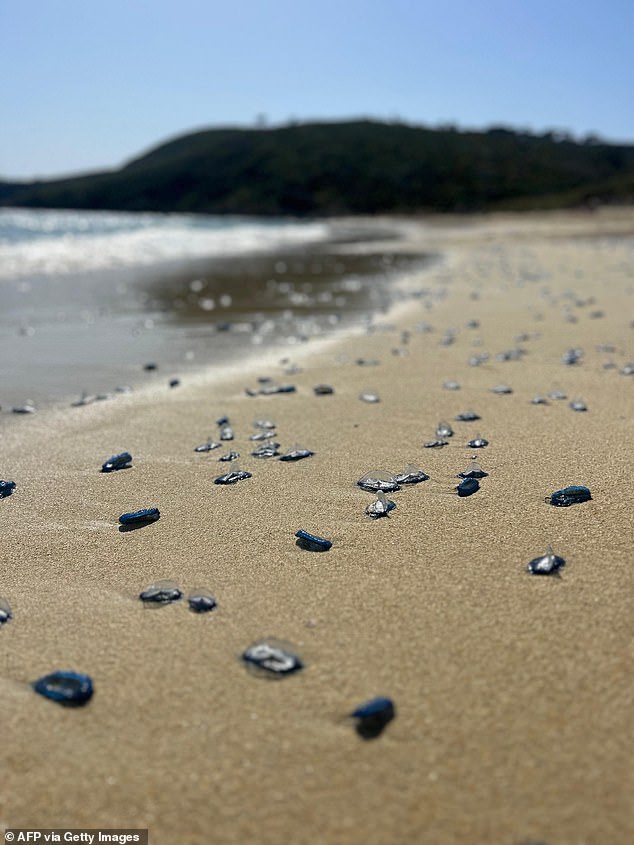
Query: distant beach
(87,299)
(511,690)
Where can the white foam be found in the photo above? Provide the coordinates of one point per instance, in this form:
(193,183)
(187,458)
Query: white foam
(45,242)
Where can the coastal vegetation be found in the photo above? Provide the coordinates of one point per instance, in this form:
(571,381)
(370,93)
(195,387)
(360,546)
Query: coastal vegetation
(356,167)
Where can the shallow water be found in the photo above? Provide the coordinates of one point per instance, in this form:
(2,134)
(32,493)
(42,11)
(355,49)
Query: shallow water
(94,328)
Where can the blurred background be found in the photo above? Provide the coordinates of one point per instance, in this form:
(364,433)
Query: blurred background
(183,183)
(89,85)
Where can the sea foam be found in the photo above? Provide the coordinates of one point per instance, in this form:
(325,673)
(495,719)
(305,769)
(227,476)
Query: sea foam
(50,242)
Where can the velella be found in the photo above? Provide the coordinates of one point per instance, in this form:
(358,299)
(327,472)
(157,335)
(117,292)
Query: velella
(573,495)
(117,462)
(467,416)
(323,390)
(572,356)
(380,507)
(266,450)
(312,542)
(373,716)
(5,612)
(477,360)
(6,488)
(266,434)
(376,480)
(271,658)
(546,564)
(233,476)
(443,429)
(272,389)
(140,517)
(163,592)
(473,470)
(411,475)
(84,399)
(510,355)
(72,689)
(297,453)
(201,601)
(467,487)
(229,456)
(27,408)
(209,446)
(578,405)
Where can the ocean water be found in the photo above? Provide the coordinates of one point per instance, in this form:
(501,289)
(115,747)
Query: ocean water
(51,242)
(87,299)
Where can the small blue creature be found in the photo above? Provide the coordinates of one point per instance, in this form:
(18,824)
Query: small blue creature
(209,446)
(373,716)
(376,480)
(271,390)
(163,592)
(380,507)
(271,659)
(474,470)
(411,475)
(116,462)
(443,429)
(6,488)
(467,416)
(266,450)
(467,487)
(312,543)
(296,454)
(233,476)
(201,601)
(546,564)
(71,689)
(229,456)
(5,612)
(140,517)
(572,495)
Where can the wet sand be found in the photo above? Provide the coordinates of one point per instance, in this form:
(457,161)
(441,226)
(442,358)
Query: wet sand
(513,692)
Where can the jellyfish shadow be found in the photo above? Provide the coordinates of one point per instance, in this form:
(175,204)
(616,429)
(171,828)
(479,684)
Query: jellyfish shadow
(135,526)
(371,727)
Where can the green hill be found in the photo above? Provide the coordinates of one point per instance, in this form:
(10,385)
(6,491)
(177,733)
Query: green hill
(348,168)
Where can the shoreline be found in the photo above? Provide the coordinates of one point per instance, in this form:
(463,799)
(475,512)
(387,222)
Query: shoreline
(512,692)
(151,314)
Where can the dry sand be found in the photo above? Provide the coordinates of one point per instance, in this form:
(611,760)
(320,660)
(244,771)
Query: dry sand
(513,692)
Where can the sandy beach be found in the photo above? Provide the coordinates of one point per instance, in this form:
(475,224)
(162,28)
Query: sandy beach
(513,692)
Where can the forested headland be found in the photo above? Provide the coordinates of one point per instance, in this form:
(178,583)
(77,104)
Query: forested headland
(356,167)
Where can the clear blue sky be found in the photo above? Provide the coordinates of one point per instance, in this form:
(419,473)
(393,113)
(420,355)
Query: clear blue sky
(87,84)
